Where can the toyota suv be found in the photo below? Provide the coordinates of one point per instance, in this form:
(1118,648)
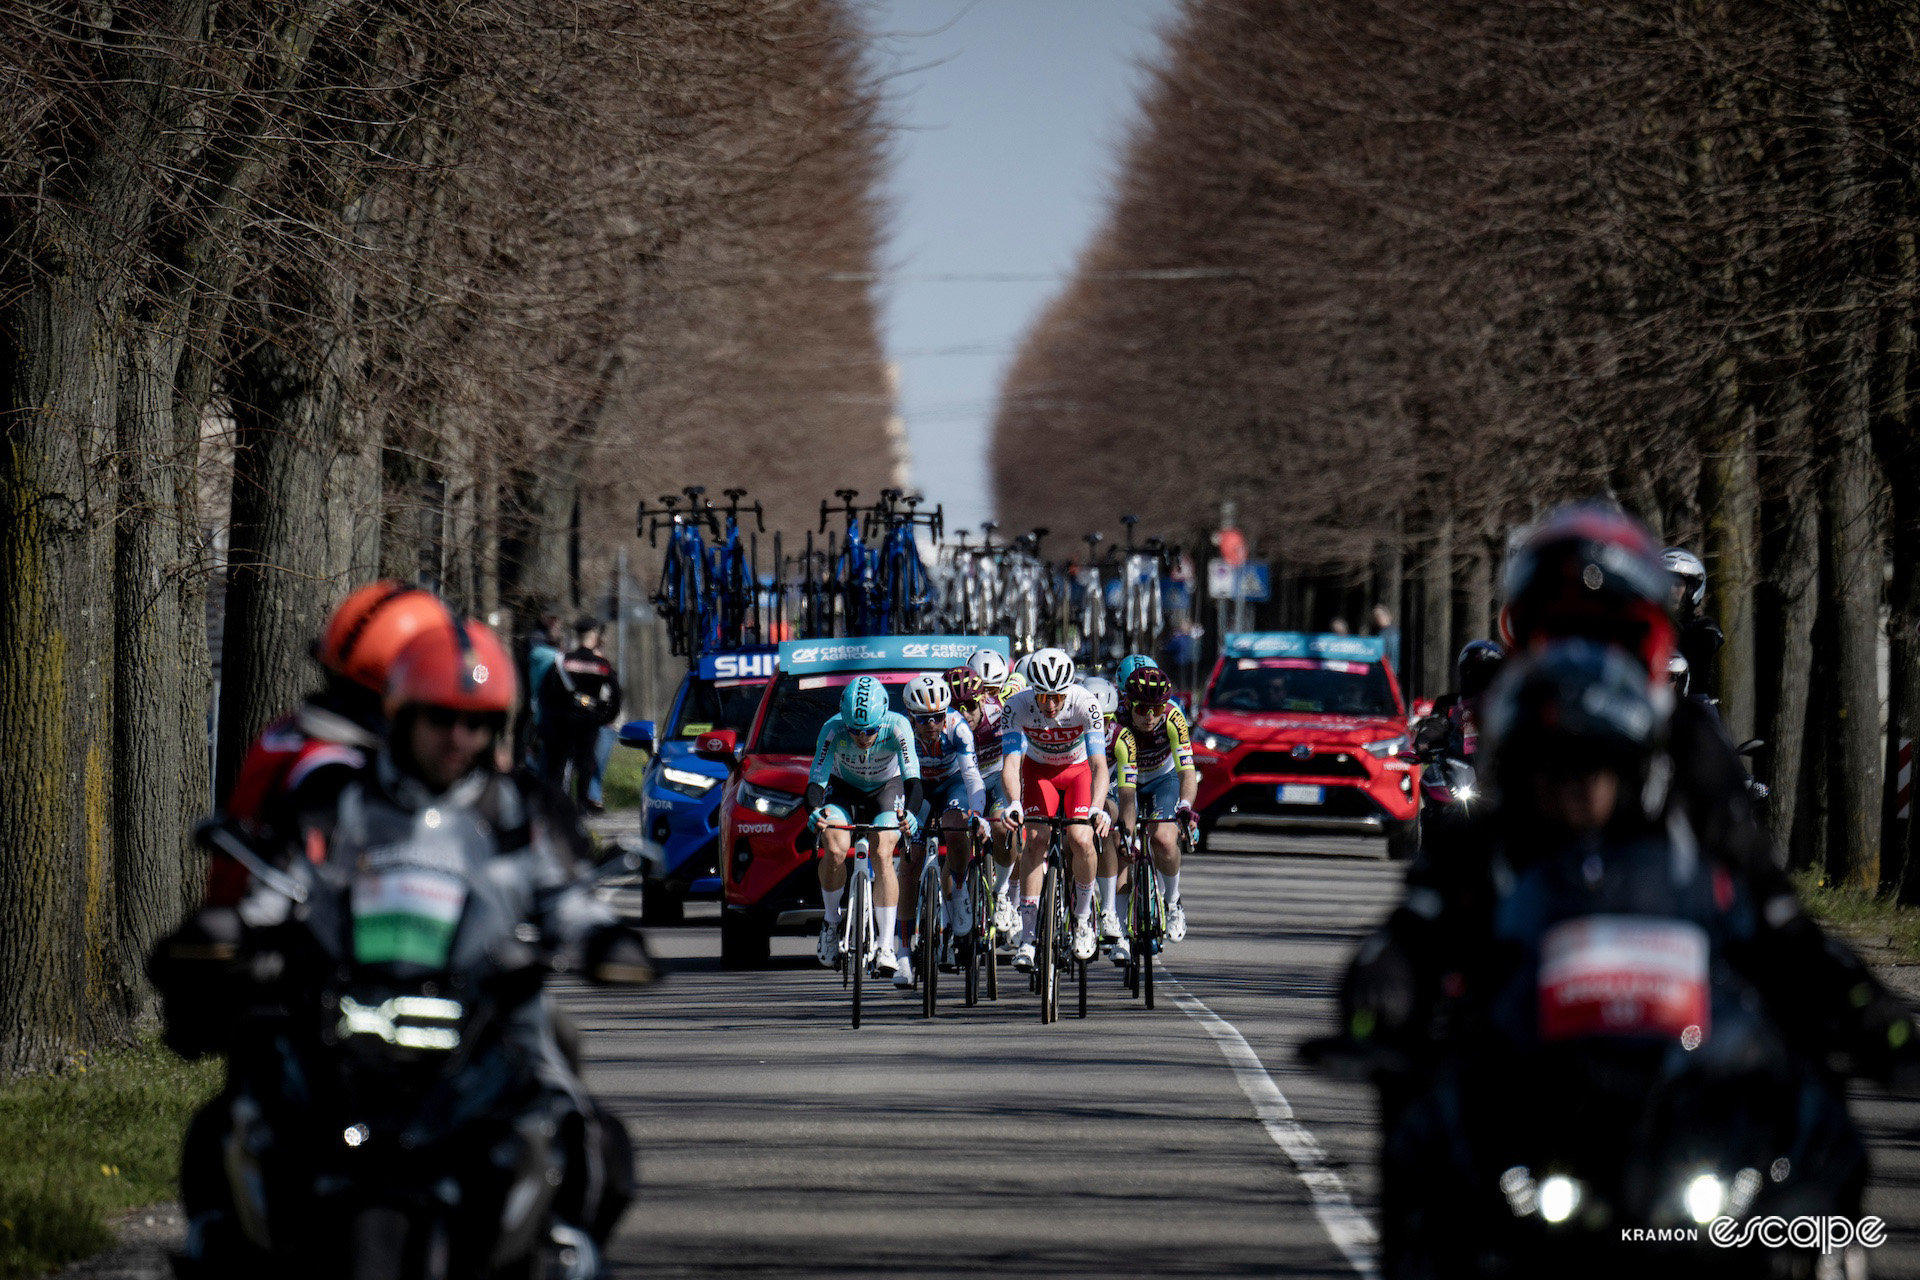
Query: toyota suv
(769,884)
(1302,731)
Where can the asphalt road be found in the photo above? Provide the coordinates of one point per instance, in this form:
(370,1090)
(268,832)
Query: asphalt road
(1181,1141)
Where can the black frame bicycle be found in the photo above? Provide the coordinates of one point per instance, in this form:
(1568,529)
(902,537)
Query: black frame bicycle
(1055,943)
(1147,912)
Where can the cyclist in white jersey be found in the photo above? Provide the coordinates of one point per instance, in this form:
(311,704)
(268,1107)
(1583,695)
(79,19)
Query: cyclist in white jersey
(1053,739)
(984,711)
(950,778)
(865,771)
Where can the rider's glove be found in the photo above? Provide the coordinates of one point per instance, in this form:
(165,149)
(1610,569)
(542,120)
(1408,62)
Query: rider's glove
(817,818)
(1184,812)
(982,826)
(910,824)
(1014,816)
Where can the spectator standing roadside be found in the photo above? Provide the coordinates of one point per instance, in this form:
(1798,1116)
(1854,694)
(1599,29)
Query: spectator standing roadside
(543,650)
(603,748)
(578,696)
(1339,627)
(1389,633)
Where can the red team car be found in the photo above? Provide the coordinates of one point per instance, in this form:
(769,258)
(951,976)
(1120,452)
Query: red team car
(1301,731)
(768,884)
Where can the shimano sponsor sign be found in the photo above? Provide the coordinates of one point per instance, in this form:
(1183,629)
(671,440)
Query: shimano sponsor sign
(885,653)
(1304,644)
(740,664)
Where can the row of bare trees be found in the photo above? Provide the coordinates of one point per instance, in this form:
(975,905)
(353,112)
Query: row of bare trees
(1393,278)
(294,292)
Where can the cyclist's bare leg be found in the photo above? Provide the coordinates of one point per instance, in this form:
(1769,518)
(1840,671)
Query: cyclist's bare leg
(954,824)
(1082,862)
(886,885)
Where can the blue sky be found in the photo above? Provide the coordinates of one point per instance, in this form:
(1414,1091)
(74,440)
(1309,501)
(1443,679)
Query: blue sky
(1010,118)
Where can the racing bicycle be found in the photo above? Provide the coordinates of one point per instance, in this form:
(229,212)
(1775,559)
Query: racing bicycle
(684,597)
(859,940)
(1146,922)
(1054,947)
(734,578)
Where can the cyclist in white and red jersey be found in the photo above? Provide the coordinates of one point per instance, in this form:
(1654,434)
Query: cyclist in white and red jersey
(1053,740)
(982,710)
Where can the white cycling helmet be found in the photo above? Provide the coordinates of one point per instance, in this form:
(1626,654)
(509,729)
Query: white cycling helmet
(927,695)
(1024,667)
(990,667)
(1050,671)
(1103,693)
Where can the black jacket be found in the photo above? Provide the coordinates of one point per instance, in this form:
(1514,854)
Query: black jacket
(579,694)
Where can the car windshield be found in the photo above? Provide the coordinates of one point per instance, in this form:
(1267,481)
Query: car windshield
(1311,685)
(717,704)
(801,704)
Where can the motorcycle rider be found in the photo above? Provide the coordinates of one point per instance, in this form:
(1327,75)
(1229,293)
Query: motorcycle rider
(1520,979)
(449,693)
(1700,639)
(1592,572)
(1454,723)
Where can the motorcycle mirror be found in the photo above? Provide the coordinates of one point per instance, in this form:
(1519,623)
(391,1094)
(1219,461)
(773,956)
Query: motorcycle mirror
(1411,757)
(1751,747)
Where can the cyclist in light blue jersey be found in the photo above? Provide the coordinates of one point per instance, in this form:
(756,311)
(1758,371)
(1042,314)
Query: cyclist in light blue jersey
(866,772)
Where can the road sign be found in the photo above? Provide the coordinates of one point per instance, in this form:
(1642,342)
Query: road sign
(1250,582)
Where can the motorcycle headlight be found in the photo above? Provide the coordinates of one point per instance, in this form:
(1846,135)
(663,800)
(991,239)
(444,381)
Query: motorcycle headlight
(685,782)
(1218,743)
(775,804)
(1387,747)
(1559,1196)
(1706,1198)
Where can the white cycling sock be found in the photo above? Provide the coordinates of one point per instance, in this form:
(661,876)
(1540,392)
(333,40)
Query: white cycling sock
(1125,906)
(884,919)
(1029,918)
(1002,877)
(1082,901)
(1109,887)
(1173,887)
(830,898)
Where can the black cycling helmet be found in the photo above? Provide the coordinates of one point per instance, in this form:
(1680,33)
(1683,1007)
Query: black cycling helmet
(1594,572)
(1478,664)
(1574,706)
(1148,687)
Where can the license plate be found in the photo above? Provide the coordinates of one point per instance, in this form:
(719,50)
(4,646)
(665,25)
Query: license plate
(1624,976)
(1297,793)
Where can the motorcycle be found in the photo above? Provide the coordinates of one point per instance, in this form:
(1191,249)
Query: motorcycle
(1615,1091)
(397,1102)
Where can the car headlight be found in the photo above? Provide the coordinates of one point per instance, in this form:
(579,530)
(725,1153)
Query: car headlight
(1387,747)
(775,804)
(1218,743)
(686,783)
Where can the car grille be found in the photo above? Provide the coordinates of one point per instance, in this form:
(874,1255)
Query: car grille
(1319,765)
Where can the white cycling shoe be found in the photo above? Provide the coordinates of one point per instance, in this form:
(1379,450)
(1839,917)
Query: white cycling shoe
(1109,925)
(962,912)
(1176,923)
(885,961)
(1023,957)
(1084,943)
(902,972)
(829,950)
(1006,917)
(1122,953)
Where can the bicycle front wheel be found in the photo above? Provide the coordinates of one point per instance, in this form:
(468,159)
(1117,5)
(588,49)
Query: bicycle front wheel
(928,958)
(1046,964)
(860,924)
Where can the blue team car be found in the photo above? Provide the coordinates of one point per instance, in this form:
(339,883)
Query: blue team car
(680,798)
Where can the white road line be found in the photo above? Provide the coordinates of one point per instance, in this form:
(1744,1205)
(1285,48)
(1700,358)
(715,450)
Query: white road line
(1346,1226)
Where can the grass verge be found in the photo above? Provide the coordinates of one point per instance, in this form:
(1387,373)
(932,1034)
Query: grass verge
(626,770)
(96,1138)
(1874,921)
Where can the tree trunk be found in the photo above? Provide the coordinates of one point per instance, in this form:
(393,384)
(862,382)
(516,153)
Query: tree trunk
(1477,565)
(284,569)
(57,389)
(1730,509)
(1436,629)
(1849,491)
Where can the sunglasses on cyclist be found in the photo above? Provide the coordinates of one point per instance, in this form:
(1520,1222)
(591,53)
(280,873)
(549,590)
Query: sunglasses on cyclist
(929,717)
(447,717)
(865,735)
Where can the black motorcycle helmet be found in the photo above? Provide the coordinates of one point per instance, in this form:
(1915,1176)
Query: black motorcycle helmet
(1478,664)
(1575,707)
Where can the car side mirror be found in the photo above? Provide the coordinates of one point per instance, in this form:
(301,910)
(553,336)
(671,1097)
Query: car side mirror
(637,733)
(717,745)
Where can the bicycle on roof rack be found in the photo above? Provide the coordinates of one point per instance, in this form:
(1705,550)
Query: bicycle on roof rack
(684,597)
(734,575)
(903,590)
(853,569)
(1139,614)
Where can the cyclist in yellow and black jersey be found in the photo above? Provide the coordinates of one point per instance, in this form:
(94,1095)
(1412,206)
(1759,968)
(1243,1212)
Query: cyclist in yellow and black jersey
(1153,754)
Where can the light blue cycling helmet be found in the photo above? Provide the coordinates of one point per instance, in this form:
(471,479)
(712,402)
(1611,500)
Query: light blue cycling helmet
(1130,664)
(863,706)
